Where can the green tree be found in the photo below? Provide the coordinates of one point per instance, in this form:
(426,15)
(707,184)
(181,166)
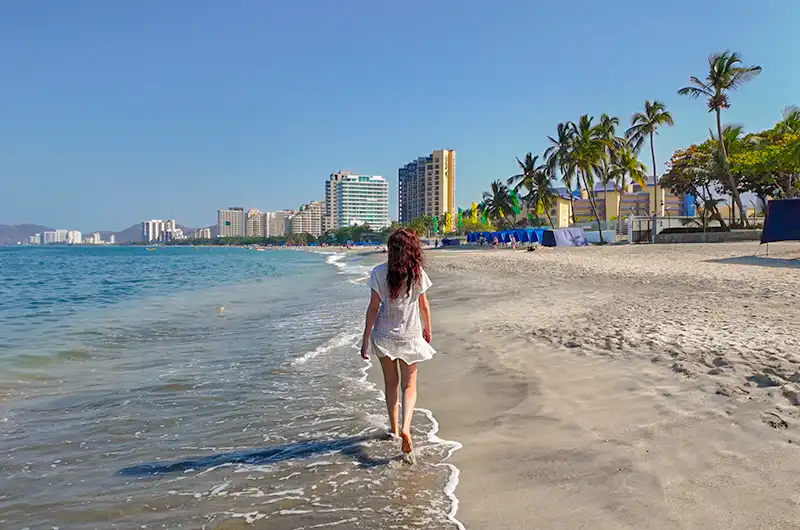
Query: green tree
(607,130)
(557,157)
(497,203)
(541,195)
(626,169)
(694,171)
(587,152)
(528,167)
(645,125)
(725,74)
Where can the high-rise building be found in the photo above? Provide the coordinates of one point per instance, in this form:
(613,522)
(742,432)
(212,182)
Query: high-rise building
(96,239)
(308,220)
(330,218)
(49,237)
(231,222)
(427,186)
(362,199)
(35,239)
(203,233)
(158,230)
(61,236)
(279,223)
(74,237)
(112,239)
(255,225)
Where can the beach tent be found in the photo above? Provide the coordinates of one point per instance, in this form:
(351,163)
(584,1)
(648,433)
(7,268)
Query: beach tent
(505,236)
(782,222)
(564,237)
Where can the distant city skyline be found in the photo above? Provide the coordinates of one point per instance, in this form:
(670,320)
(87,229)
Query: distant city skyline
(180,124)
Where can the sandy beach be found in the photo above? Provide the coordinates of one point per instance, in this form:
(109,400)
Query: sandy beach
(620,387)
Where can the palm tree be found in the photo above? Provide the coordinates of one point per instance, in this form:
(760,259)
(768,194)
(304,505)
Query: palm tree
(645,125)
(725,74)
(626,165)
(497,202)
(541,195)
(790,120)
(587,151)
(557,157)
(607,129)
(528,166)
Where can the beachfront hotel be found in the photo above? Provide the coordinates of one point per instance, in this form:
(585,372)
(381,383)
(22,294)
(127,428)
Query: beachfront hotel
(308,219)
(427,186)
(255,223)
(352,199)
(158,230)
(635,200)
(231,222)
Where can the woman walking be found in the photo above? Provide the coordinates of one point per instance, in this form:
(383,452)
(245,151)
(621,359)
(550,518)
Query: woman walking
(393,331)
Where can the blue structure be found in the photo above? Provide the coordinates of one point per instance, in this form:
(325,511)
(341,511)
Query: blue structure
(782,222)
(522,235)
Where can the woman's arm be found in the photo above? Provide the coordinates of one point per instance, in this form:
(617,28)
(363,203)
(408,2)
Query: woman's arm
(369,322)
(425,309)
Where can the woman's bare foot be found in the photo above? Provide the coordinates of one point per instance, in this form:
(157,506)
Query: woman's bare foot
(389,435)
(407,445)
(408,448)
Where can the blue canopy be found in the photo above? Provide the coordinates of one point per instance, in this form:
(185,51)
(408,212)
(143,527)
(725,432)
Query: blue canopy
(782,222)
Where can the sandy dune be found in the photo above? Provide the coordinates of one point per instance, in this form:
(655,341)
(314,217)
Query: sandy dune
(620,387)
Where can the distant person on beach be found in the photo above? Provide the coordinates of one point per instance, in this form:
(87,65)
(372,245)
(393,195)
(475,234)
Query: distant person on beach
(495,242)
(393,331)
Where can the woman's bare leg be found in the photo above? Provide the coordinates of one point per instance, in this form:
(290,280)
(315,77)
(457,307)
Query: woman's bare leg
(408,381)
(390,381)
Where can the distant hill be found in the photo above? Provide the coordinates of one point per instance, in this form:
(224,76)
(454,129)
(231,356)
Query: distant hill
(9,235)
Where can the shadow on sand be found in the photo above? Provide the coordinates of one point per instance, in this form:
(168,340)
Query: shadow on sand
(760,261)
(352,447)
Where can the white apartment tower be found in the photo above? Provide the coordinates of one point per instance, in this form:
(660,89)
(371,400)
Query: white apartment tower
(363,199)
(158,230)
(231,222)
(330,219)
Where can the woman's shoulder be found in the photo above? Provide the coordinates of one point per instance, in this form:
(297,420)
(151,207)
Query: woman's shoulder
(380,269)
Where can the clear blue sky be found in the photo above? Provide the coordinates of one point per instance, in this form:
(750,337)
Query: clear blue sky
(112,112)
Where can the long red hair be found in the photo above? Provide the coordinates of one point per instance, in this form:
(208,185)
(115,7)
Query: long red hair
(405,261)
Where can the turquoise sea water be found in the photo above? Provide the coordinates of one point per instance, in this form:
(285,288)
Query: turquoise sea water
(198,388)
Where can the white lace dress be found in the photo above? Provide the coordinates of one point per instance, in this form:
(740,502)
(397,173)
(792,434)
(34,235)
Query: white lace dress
(398,330)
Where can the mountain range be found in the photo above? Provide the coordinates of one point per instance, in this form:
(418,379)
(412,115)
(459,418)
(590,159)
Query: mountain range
(11,234)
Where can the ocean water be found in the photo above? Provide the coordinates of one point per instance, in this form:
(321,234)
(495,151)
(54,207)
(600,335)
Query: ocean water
(203,388)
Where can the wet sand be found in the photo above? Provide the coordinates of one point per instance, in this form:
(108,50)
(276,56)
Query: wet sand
(620,387)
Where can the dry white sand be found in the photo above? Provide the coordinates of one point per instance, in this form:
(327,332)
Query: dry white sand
(620,387)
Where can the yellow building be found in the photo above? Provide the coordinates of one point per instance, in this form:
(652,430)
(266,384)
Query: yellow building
(427,186)
(635,200)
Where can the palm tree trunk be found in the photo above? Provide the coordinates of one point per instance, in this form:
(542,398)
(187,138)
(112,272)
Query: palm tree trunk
(655,174)
(549,219)
(731,183)
(592,204)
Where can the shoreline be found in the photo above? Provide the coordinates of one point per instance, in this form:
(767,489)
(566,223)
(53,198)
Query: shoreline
(619,387)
